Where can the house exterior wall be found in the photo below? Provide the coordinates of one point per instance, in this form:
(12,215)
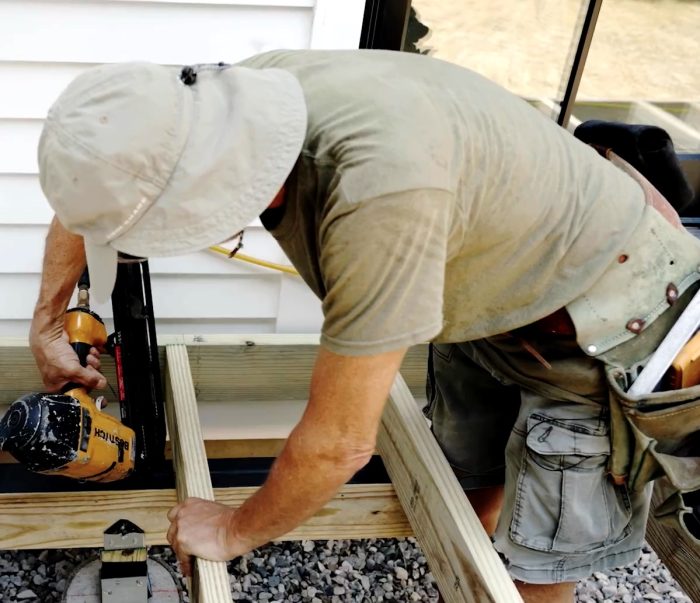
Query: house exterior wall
(44,44)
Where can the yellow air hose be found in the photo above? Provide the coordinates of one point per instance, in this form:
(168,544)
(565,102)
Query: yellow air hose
(251,260)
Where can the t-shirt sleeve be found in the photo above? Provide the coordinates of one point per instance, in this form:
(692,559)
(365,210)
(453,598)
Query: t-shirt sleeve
(383,267)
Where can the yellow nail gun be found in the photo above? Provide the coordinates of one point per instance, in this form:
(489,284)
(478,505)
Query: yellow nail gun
(67,433)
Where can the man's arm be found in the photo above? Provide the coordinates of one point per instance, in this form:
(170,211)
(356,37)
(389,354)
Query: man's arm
(334,439)
(64,262)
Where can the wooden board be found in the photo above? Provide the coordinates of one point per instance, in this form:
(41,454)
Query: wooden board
(460,554)
(78,519)
(677,551)
(217,449)
(236,449)
(210,583)
(225,368)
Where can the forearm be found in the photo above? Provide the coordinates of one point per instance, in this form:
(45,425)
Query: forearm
(334,439)
(64,262)
(303,479)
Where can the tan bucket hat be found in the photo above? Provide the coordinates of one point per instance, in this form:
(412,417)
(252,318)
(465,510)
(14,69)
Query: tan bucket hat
(136,160)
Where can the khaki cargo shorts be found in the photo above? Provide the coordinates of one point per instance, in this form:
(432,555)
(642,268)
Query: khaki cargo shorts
(502,417)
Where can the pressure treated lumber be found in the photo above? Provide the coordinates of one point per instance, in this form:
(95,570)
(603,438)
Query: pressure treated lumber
(236,449)
(677,551)
(216,449)
(210,583)
(459,553)
(455,548)
(268,367)
(78,519)
(225,368)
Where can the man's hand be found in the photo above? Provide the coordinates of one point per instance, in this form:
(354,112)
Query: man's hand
(64,262)
(334,439)
(59,364)
(204,529)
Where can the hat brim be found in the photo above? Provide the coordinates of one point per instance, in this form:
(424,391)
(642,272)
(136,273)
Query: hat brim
(102,268)
(246,131)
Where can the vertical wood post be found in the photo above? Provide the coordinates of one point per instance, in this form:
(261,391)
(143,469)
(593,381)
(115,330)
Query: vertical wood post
(210,582)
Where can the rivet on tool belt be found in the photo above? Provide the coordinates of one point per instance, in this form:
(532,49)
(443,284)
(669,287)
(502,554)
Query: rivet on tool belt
(671,294)
(635,325)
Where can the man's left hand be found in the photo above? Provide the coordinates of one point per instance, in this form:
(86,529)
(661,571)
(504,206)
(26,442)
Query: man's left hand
(202,528)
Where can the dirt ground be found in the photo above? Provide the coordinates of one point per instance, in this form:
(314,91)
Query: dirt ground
(642,49)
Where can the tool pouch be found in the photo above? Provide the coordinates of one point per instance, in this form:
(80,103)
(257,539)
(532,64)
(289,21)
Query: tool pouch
(658,436)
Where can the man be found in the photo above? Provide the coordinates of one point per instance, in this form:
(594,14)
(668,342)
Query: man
(420,202)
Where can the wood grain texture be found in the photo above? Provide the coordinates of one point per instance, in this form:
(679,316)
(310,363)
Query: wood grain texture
(124,555)
(225,368)
(233,449)
(276,367)
(210,583)
(460,554)
(676,550)
(78,519)
(216,449)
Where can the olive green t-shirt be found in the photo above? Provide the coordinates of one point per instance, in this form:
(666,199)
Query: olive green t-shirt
(428,203)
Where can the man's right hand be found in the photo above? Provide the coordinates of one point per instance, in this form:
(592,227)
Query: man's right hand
(59,364)
(64,262)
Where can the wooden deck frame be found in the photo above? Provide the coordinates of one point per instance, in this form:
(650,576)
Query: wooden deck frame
(466,567)
(216,369)
(220,369)
(209,582)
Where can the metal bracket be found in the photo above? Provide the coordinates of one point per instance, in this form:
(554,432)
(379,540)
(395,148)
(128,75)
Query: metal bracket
(125,590)
(124,571)
(118,542)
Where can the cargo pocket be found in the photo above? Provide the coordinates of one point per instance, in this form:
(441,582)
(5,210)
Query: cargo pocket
(564,501)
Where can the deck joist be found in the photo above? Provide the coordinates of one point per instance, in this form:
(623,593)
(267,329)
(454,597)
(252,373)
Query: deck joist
(424,498)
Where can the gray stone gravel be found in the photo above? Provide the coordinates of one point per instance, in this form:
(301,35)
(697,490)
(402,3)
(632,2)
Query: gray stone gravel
(334,571)
(646,581)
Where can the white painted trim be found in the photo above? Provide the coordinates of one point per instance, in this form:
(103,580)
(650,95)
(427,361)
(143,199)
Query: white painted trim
(271,3)
(337,24)
(299,309)
(20,138)
(205,297)
(95,31)
(262,339)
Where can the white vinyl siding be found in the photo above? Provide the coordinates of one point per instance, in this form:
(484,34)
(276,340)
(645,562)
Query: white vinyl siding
(45,44)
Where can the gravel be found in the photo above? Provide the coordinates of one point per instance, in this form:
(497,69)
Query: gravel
(646,581)
(333,571)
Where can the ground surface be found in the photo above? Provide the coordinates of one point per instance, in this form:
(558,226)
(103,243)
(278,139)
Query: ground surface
(336,571)
(642,49)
